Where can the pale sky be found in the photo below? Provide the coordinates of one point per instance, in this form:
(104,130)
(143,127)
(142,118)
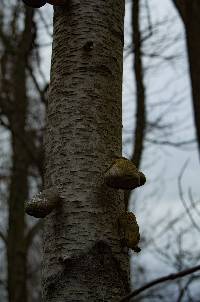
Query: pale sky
(166,83)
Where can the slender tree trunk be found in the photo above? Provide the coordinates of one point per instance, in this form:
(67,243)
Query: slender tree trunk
(17,42)
(16,255)
(18,191)
(190,14)
(140,118)
(140,88)
(16,252)
(82,258)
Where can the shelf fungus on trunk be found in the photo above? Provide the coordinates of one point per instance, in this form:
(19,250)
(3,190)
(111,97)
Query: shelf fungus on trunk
(129,231)
(124,175)
(43,203)
(35,3)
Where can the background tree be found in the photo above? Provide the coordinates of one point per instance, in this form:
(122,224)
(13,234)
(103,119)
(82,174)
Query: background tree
(140,115)
(190,14)
(161,47)
(19,54)
(140,124)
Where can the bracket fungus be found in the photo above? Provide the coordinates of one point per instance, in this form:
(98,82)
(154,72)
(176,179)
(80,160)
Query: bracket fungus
(40,3)
(123,174)
(43,203)
(129,231)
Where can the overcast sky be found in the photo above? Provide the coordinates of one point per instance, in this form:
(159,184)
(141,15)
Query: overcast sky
(167,84)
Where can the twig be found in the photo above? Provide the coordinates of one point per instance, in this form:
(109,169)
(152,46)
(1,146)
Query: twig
(193,203)
(3,237)
(182,198)
(170,143)
(32,232)
(184,289)
(161,280)
(37,86)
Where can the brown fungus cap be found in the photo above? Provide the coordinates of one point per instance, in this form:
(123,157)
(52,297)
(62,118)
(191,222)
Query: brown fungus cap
(123,174)
(129,231)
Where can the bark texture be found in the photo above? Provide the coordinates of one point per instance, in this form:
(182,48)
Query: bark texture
(81,245)
(190,14)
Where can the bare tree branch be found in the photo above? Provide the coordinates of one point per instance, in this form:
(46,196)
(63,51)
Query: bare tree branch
(173,144)
(3,237)
(161,280)
(182,198)
(32,232)
(37,85)
(193,203)
(184,289)
(46,25)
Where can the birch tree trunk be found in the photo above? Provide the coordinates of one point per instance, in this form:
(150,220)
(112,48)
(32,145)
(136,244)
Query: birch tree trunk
(190,13)
(82,257)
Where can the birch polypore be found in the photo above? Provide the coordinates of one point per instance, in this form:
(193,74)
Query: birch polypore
(129,231)
(43,203)
(123,174)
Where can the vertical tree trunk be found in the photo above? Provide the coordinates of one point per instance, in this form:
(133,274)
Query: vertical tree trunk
(140,89)
(190,14)
(140,118)
(16,255)
(18,191)
(82,258)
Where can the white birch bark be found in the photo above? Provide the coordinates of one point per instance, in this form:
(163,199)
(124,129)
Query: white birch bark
(82,256)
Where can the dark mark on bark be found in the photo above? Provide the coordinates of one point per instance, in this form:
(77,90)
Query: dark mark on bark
(89,46)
